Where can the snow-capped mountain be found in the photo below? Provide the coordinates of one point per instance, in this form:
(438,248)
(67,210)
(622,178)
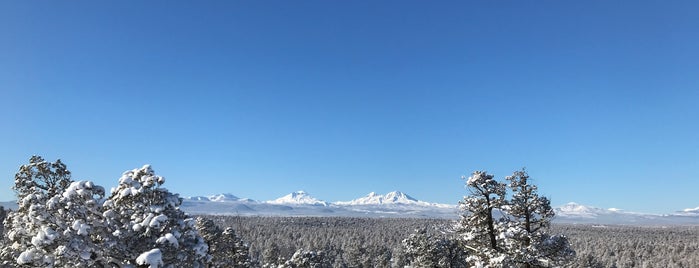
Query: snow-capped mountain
(398,204)
(392,198)
(228,198)
(691,210)
(300,203)
(197,198)
(575,210)
(219,198)
(298,198)
(577,213)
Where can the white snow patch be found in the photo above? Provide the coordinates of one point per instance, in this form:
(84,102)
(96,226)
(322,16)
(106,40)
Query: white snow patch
(80,227)
(168,238)
(157,220)
(153,258)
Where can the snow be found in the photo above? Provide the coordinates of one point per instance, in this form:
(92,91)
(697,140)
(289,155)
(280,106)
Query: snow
(472,179)
(573,209)
(223,198)
(577,213)
(80,227)
(395,197)
(391,198)
(691,210)
(44,237)
(199,198)
(298,198)
(26,257)
(157,220)
(168,238)
(153,258)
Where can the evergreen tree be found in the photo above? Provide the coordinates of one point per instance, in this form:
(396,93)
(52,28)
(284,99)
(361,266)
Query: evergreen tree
(419,249)
(307,259)
(51,226)
(145,218)
(519,236)
(478,227)
(225,247)
(530,215)
(422,249)
(80,225)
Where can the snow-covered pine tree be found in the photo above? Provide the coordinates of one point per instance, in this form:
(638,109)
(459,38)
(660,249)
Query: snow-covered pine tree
(307,259)
(424,249)
(78,213)
(518,237)
(529,219)
(32,228)
(419,249)
(58,223)
(225,247)
(479,228)
(450,253)
(147,225)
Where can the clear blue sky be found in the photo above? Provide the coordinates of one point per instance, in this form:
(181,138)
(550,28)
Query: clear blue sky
(599,100)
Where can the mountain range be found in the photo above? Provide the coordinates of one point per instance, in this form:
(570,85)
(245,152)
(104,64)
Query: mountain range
(576,213)
(300,203)
(397,204)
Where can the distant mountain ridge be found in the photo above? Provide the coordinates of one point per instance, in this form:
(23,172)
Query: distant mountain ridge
(301,203)
(391,198)
(298,198)
(219,198)
(577,213)
(399,204)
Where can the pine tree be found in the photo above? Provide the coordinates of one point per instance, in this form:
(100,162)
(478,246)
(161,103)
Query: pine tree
(225,247)
(81,227)
(518,237)
(478,227)
(32,229)
(307,259)
(144,217)
(530,215)
(423,249)
(419,249)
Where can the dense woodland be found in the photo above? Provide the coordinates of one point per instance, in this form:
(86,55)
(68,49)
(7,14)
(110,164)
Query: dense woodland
(364,242)
(61,222)
(632,246)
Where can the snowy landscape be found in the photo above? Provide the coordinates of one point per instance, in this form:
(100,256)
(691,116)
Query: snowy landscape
(59,222)
(349,134)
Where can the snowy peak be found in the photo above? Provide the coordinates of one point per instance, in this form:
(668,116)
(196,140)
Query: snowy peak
(398,197)
(691,210)
(223,198)
(575,210)
(576,213)
(220,198)
(198,198)
(298,198)
(392,198)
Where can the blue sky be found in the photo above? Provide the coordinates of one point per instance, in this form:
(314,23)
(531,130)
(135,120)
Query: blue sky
(599,100)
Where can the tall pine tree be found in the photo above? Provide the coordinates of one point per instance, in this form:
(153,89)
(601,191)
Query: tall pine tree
(509,233)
